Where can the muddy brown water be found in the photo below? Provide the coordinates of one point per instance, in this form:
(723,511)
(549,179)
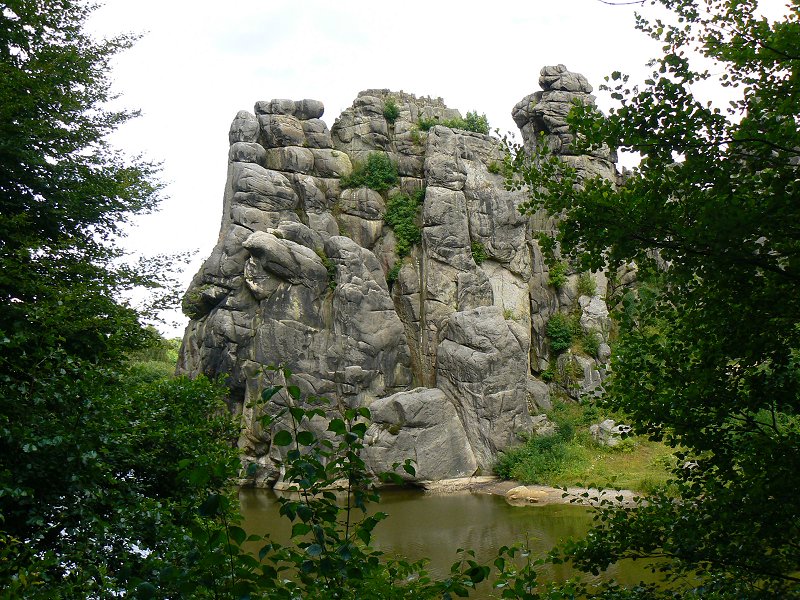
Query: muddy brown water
(435,526)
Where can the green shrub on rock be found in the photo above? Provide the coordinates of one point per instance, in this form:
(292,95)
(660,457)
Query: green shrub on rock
(479,254)
(472,122)
(394,273)
(401,216)
(378,173)
(586,285)
(390,111)
(557,275)
(330,266)
(561,331)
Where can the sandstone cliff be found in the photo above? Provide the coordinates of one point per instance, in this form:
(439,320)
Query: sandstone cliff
(449,352)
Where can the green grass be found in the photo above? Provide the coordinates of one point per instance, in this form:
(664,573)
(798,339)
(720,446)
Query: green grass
(570,456)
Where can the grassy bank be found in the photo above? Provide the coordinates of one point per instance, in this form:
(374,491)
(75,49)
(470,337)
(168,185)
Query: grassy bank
(571,457)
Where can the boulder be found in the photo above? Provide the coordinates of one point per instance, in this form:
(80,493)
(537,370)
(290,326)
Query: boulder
(248,152)
(421,425)
(244,128)
(609,433)
(291,158)
(281,130)
(482,367)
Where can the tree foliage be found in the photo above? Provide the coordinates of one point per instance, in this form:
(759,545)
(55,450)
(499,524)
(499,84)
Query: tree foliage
(708,357)
(91,491)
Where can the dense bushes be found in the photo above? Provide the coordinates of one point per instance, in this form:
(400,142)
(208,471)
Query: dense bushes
(472,122)
(557,274)
(378,173)
(539,458)
(401,215)
(390,110)
(565,332)
(562,330)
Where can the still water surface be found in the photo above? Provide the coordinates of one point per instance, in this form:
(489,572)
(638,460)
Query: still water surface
(434,527)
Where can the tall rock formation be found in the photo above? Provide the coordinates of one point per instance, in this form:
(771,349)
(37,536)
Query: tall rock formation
(447,352)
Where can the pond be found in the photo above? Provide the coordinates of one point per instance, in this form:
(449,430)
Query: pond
(434,526)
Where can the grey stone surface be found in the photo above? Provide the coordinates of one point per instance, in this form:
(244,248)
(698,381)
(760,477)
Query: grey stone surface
(482,367)
(244,128)
(538,396)
(301,109)
(545,112)
(543,426)
(290,158)
(609,433)
(331,163)
(248,152)
(421,425)
(299,277)
(281,130)
(594,316)
(317,133)
(558,77)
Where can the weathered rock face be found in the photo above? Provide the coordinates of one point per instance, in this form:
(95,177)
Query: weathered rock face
(299,277)
(421,425)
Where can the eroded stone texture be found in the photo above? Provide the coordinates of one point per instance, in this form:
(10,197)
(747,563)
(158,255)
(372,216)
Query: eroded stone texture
(422,425)
(482,369)
(299,277)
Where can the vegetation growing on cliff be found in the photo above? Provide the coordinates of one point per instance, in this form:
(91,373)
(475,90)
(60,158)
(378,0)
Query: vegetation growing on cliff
(557,274)
(378,173)
(390,110)
(472,122)
(709,362)
(561,329)
(402,214)
(478,251)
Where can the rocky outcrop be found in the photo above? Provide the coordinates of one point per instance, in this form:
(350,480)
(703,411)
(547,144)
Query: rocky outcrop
(446,345)
(421,425)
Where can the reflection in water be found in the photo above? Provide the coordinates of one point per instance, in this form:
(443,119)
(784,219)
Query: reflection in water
(434,527)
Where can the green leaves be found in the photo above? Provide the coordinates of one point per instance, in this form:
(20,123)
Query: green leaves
(378,173)
(337,426)
(268,393)
(305,438)
(699,362)
(282,438)
(402,215)
(390,110)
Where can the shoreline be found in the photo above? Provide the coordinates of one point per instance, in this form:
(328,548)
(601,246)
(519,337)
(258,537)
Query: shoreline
(514,492)
(518,494)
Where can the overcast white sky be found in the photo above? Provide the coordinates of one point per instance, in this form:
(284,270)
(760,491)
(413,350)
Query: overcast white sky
(200,62)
